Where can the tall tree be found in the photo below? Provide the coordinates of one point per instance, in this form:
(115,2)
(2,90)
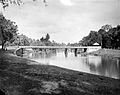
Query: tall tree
(8,30)
(47,37)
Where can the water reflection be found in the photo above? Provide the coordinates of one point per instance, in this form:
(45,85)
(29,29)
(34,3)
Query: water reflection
(107,67)
(91,64)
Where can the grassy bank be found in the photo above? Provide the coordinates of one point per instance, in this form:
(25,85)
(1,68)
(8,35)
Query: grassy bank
(20,76)
(107,52)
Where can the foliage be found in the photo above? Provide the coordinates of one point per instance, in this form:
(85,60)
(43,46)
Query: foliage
(21,40)
(37,43)
(107,37)
(47,37)
(6,3)
(90,39)
(8,30)
(106,27)
(46,40)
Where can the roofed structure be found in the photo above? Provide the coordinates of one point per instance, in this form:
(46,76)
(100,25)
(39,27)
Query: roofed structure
(96,44)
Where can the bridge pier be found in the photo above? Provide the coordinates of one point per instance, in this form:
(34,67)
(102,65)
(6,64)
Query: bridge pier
(45,50)
(75,52)
(66,52)
(22,51)
(85,49)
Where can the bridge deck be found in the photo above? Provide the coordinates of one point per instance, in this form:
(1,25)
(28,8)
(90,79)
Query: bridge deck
(58,47)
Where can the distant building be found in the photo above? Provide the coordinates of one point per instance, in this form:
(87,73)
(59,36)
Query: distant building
(96,44)
(95,47)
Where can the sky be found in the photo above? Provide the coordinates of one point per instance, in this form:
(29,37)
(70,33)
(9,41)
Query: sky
(65,20)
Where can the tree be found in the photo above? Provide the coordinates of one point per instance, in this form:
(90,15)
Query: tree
(8,30)
(106,27)
(42,39)
(101,37)
(23,40)
(107,37)
(47,37)
(90,39)
(6,3)
(117,37)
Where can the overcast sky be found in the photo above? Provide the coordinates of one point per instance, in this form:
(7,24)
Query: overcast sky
(65,20)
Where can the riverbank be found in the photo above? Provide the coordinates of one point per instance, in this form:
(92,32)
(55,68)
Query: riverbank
(106,53)
(20,76)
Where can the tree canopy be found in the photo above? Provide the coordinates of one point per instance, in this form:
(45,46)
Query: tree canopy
(46,38)
(6,3)
(8,30)
(107,37)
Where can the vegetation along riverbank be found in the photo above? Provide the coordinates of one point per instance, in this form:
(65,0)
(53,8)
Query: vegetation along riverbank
(20,76)
(106,52)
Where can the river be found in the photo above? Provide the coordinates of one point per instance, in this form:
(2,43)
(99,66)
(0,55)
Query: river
(103,66)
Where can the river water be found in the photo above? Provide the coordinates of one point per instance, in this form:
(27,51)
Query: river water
(91,64)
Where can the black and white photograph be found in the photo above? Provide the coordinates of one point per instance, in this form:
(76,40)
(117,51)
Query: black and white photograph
(59,47)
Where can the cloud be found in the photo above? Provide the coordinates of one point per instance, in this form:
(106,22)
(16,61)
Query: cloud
(67,2)
(64,24)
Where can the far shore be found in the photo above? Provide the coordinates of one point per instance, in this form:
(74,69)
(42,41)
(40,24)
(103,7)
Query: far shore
(105,52)
(20,76)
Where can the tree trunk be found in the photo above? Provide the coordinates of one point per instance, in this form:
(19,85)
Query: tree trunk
(3,43)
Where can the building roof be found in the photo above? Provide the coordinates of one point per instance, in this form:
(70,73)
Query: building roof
(96,44)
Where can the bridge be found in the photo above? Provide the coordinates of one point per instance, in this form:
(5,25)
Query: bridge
(56,47)
(85,48)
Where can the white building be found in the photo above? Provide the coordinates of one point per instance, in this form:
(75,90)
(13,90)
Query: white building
(95,47)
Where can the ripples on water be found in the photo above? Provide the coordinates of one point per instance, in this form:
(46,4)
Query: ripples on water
(91,64)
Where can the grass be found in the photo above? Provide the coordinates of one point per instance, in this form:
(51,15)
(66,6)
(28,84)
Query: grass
(20,76)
